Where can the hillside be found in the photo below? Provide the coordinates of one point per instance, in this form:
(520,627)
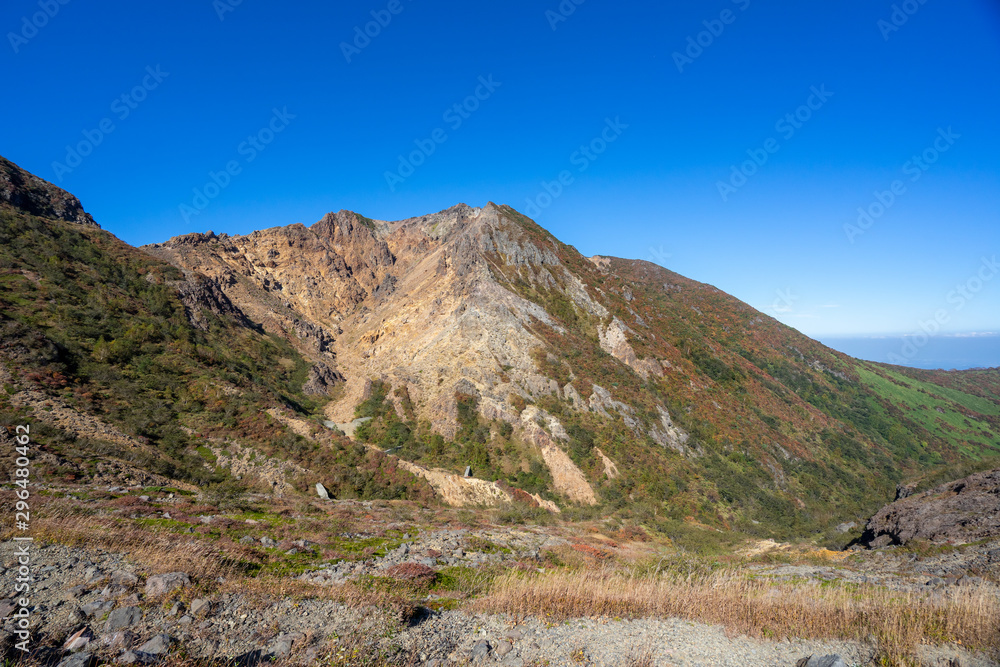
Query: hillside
(134,373)
(471,337)
(474,337)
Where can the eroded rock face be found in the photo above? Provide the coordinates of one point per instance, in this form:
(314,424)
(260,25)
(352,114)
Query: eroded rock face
(962,511)
(199,294)
(39,197)
(425,304)
(321,380)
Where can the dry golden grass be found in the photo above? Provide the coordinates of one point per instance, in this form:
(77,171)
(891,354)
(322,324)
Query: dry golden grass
(158,551)
(895,622)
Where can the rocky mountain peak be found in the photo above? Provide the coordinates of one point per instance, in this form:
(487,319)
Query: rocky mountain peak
(38,197)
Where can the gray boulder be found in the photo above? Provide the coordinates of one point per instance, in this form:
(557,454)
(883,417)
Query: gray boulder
(78,660)
(200,605)
(124,617)
(124,579)
(821,661)
(282,646)
(162,584)
(158,645)
(322,492)
(966,510)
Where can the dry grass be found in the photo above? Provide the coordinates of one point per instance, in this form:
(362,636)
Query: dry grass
(157,550)
(895,622)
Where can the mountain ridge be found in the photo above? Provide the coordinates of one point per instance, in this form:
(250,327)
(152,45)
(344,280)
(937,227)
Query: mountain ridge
(473,336)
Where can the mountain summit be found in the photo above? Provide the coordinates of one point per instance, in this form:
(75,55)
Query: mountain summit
(466,341)
(592,380)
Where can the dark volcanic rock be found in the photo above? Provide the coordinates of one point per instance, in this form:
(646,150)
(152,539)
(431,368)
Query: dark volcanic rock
(39,197)
(963,511)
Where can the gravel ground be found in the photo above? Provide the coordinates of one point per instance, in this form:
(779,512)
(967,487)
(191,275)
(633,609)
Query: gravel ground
(111,598)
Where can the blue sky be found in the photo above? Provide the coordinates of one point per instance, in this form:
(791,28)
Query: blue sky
(593,92)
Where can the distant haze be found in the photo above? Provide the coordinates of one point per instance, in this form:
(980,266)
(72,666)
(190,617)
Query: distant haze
(959,352)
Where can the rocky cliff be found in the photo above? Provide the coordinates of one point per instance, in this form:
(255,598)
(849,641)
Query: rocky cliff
(959,512)
(36,196)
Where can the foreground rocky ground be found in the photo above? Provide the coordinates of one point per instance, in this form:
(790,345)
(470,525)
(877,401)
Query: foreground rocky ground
(156,576)
(127,617)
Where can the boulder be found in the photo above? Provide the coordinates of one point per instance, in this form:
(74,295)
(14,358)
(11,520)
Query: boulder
(124,579)
(157,645)
(200,605)
(123,617)
(78,660)
(78,640)
(162,584)
(963,511)
(322,492)
(481,650)
(821,661)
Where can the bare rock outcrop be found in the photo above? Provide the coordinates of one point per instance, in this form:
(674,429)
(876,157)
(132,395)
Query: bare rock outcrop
(962,511)
(199,294)
(321,380)
(39,197)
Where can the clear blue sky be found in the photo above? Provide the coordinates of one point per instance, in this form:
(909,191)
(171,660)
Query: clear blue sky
(778,241)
